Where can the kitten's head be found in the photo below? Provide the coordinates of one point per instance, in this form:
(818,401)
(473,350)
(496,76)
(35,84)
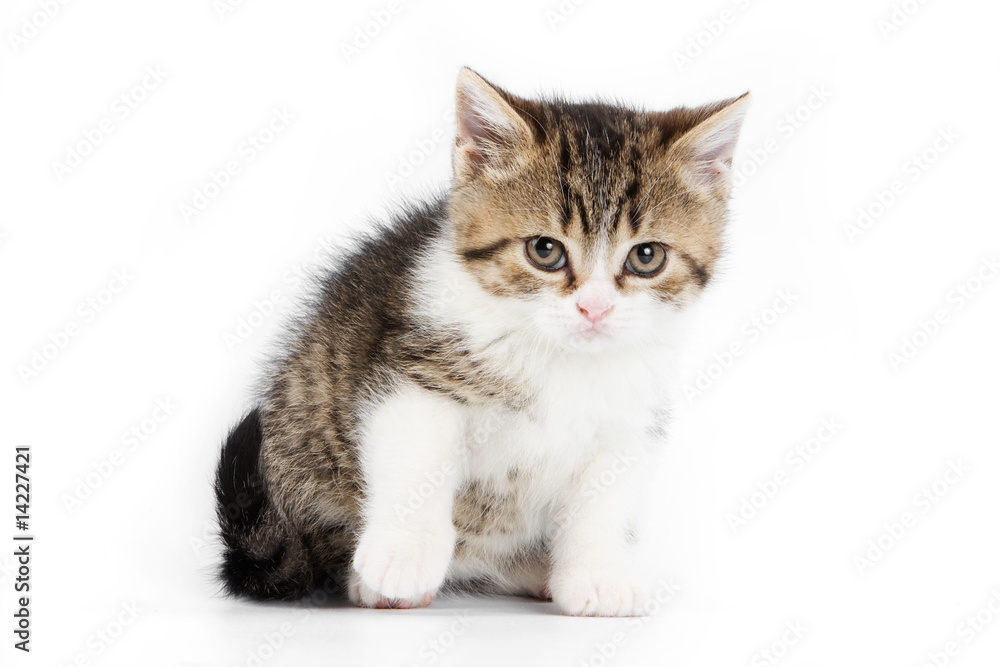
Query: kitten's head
(592,222)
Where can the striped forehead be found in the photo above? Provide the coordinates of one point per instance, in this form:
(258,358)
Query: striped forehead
(599,169)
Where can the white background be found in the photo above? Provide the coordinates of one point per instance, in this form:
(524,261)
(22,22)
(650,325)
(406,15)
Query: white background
(864,99)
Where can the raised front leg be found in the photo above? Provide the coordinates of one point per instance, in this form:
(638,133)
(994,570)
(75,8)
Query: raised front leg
(593,560)
(410,460)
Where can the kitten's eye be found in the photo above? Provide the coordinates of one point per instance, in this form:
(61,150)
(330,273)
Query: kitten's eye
(546,253)
(646,259)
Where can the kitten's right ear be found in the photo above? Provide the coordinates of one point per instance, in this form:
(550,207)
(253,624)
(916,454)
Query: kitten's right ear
(490,129)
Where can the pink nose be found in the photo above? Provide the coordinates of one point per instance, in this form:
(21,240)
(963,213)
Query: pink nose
(595,312)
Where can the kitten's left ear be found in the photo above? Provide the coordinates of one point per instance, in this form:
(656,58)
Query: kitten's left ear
(706,147)
(491,129)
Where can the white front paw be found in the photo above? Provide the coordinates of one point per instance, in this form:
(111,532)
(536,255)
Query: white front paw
(584,591)
(404,565)
(365,596)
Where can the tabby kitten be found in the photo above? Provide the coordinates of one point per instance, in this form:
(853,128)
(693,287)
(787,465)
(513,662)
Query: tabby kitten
(476,395)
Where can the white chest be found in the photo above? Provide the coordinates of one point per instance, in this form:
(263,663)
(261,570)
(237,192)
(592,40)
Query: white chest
(576,408)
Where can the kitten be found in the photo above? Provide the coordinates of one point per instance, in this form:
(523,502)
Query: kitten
(477,394)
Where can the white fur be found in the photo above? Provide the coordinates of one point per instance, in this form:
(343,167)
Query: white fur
(587,439)
(410,459)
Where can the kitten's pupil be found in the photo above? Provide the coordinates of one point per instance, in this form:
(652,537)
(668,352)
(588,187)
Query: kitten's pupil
(544,247)
(645,253)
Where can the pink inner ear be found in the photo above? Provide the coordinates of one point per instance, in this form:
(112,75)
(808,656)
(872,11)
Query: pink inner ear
(473,124)
(482,139)
(708,147)
(489,128)
(722,153)
(713,157)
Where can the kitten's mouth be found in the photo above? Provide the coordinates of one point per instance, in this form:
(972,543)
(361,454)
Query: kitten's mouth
(591,333)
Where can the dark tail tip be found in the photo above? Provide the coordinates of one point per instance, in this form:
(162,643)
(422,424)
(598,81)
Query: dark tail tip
(258,559)
(239,485)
